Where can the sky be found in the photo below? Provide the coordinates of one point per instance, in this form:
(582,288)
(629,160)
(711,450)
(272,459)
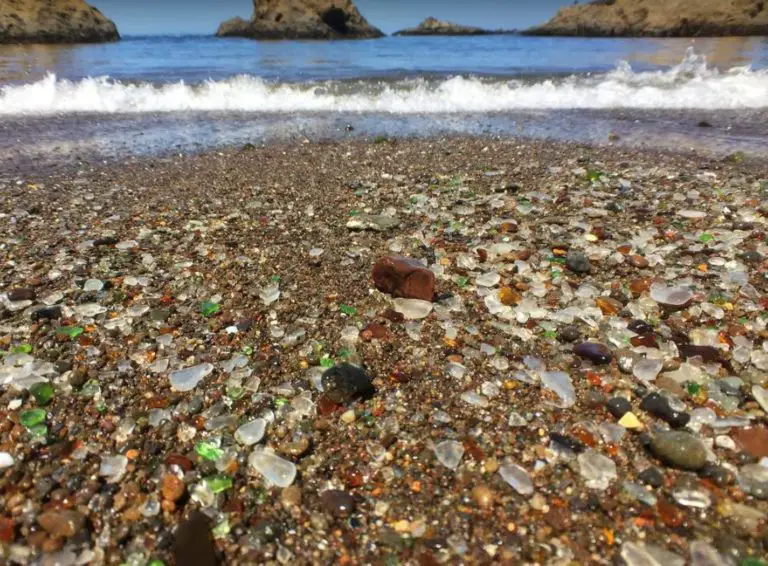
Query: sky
(154,17)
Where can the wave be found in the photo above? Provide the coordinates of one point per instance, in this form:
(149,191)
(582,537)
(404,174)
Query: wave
(690,85)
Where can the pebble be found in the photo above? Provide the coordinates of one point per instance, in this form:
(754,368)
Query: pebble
(578,262)
(6,460)
(618,406)
(753,440)
(671,297)
(291,496)
(193,543)
(651,476)
(172,487)
(449,453)
(483,496)
(637,261)
(251,432)
(679,449)
(63,523)
(598,470)
(273,468)
(568,334)
(344,382)
(338,503)
(404,277)
(412,309)
(630,421)
(187,379)
(647,369)
(516,476)
(659,406)
(25,294)
(594,352)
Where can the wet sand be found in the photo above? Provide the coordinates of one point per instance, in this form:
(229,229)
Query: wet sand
(498,431)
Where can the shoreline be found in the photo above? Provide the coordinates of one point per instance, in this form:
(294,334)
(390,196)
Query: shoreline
(493,434)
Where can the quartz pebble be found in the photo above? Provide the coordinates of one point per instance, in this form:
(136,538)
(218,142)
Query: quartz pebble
(516,476)
(251,432)
(275,470)
(412,309)
(187,379)
(598,470)
(449,453)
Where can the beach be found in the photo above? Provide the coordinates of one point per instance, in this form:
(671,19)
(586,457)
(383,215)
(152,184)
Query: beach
(586,384)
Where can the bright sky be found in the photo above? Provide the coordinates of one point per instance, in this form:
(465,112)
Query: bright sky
(153,17)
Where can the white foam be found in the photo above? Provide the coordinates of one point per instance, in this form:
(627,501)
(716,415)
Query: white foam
(690,85)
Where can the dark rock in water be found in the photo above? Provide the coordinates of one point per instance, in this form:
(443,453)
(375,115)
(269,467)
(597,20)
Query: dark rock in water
(578,262)
(433,26)
(26,294)
(344,382)
(704,124)
(338,503)
(595,352)
(657,18)
(193,545)
(404,277)
(54,21)
(658,405)
(47,313)
(651,476)
(301,19)
(618,406)
(568,334)
(680,450)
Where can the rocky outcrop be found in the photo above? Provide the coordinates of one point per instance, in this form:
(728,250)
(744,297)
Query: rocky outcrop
(301,19)
(54,21)
(433,26)
(660,18)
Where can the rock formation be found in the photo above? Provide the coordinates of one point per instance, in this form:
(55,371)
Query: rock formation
(659,18)
(433,26)
(53,21)
(301,19)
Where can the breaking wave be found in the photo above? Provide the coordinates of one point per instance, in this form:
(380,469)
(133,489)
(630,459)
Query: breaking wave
(690,85)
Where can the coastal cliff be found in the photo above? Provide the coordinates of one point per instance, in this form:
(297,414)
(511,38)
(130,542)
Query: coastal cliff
(659,18)
(54,21)
(301,19)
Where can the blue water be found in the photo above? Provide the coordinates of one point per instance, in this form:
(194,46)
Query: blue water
(198,58)
(150,95)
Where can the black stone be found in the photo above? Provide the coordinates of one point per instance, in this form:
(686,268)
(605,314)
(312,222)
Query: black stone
(47,313)
(640,327)
(658,405)
(618,406)
(578,262)
(720,476)
(338,503)
(344,382)
(568,334)
(595,352)
(21,295)
(651,476)
(570,443)
(108,241)
(752,256)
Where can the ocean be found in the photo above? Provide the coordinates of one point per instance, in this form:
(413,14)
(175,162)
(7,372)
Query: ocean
(153,95)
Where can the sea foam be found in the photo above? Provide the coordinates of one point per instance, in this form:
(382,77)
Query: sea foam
(690,85)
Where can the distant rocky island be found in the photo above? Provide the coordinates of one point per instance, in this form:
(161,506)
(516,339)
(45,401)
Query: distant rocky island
(659,18)
(301,19)
(433,26)
(54,21)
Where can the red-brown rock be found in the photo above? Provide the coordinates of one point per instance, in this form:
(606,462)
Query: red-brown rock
(404,277)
